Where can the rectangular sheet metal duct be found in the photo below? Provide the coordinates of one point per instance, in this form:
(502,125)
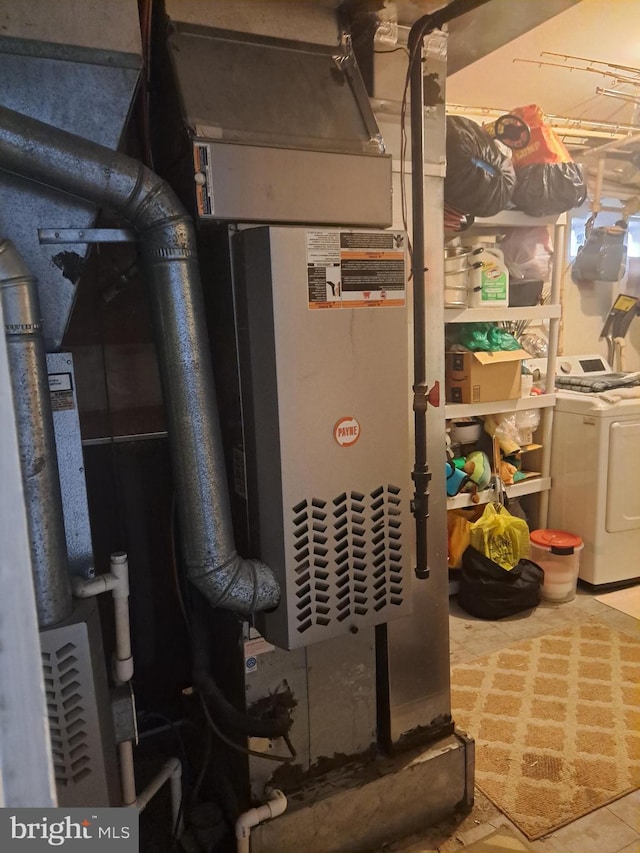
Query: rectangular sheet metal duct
(75,66)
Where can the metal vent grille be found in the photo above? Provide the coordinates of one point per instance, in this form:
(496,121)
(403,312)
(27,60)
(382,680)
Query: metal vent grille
(386,547)
(312,564)
(66,712)
(348,558)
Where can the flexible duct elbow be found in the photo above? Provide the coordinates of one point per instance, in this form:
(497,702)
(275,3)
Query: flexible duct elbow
(248,584)
(60,160)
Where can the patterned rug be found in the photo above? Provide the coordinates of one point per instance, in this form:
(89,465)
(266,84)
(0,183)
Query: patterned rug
(556,720)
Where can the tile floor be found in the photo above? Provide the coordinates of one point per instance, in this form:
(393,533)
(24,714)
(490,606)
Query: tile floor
(612,829)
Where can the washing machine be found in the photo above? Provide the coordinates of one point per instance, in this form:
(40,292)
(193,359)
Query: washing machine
(595,476)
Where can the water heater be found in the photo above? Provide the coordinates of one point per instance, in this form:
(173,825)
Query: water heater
(322,328)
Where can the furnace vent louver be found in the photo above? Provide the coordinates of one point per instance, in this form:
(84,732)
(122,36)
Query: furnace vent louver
(79,710)
(67,725)
(348,559)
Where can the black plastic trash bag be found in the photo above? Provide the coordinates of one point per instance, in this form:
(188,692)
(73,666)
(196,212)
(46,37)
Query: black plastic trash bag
(490,592)
(603,257)
(480,178)
(548,189)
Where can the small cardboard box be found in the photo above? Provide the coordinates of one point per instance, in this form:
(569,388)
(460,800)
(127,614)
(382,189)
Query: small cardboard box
(483,377)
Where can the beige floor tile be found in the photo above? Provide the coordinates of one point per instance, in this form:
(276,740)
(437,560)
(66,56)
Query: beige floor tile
(598,832)
(620,620)
(484,645)
(520,629)
(545,846)
(474,834)
(628,809)
(589,604)
(632,848)
(461,655)
(626,600)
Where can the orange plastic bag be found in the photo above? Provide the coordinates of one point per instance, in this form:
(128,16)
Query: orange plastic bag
(545,146)
(458,531)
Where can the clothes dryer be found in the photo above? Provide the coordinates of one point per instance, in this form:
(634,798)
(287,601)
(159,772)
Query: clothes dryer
(595,470)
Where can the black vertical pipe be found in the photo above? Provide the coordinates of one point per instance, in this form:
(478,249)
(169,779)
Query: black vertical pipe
(421,475)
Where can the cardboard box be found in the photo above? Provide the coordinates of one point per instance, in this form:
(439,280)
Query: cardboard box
(483,377)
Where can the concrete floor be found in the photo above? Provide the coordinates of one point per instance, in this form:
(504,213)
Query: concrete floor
(612,829)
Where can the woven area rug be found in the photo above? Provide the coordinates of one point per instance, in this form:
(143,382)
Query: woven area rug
(556,720)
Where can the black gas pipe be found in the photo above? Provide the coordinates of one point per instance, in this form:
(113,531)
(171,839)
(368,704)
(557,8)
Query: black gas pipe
(421,474)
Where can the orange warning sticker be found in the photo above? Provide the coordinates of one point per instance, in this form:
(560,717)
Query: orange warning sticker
(346,431)
(356,269)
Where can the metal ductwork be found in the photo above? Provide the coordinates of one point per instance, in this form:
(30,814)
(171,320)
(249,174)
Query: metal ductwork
(81,168)
(38,459)
(55,59)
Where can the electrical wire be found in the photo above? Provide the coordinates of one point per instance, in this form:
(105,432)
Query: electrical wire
(393,50)
(145,12)
(283,759)
(170,724)
(174,563)
(204,767)
(403,156)
(101,309)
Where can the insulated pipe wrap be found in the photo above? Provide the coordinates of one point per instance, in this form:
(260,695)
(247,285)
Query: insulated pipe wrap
(36,439)
(60,160)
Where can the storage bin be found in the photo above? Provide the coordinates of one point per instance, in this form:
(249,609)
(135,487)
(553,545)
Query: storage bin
(524,293)
(557,552)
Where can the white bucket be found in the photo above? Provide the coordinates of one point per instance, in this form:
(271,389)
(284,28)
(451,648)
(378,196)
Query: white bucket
(489,283)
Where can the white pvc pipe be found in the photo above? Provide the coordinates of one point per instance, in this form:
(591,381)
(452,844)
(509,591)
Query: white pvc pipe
(170,770)
(275,806)
(116,581)
(123,666)
(83,588)
(127,773)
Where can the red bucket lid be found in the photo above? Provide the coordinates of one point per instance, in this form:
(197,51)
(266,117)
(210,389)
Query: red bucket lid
(556,539)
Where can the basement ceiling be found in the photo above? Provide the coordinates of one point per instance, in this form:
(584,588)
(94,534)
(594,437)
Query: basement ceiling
(595,29)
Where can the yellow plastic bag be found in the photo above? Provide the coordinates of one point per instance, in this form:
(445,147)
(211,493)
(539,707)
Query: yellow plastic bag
(500,536)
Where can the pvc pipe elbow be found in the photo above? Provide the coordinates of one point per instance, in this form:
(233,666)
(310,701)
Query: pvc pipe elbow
(87,588)
(275,806)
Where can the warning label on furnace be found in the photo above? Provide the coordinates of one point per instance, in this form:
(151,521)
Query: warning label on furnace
(61,392)
(356,269)
(203,179)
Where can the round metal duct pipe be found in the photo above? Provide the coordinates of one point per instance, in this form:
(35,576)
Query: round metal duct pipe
(50,156)
(36,440)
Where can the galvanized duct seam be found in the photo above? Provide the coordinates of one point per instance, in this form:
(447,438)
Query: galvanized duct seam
(38,458)
(60,160)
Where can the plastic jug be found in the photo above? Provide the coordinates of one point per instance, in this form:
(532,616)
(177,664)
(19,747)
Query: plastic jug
(489,283)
